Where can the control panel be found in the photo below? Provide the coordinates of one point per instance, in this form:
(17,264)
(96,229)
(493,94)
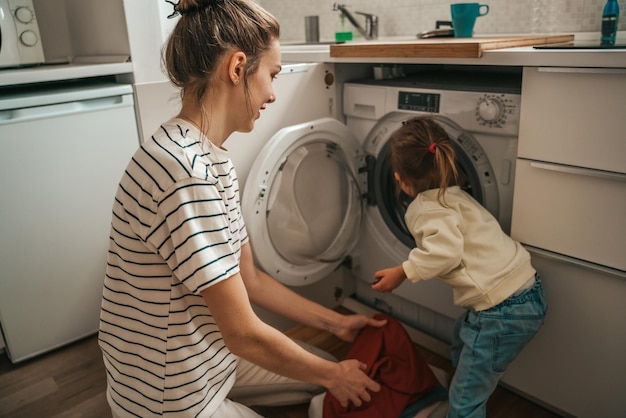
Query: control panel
(494,109)
(28,38)
(418,101)
(497,113)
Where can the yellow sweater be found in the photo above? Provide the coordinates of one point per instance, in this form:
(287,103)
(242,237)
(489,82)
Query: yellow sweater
(464,246)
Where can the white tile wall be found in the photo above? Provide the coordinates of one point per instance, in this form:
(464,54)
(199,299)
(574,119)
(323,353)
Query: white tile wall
(408,17)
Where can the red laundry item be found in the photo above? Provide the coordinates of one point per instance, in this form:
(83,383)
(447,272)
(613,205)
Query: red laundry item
(395,363)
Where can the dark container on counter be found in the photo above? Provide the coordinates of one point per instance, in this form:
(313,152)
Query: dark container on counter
(610,18)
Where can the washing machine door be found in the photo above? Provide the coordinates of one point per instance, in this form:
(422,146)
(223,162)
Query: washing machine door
(302,201)
(472,160)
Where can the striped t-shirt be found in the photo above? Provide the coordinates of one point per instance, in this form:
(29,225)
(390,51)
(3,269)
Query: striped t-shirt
(176,230)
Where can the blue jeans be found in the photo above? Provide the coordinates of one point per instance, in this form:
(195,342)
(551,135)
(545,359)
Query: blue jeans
(485,343)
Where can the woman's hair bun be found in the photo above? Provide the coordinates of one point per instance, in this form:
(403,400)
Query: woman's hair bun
(188,6)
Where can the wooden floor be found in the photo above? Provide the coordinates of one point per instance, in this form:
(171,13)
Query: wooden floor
(70,383)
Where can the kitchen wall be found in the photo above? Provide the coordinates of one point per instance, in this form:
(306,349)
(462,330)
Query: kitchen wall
(408,17)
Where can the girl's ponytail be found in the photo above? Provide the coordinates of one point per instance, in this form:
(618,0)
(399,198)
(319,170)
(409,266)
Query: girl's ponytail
(423,155)
(445,165)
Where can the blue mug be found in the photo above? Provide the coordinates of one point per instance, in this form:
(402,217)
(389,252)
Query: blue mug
(464,17)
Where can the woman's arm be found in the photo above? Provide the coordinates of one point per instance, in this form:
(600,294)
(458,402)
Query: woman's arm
(270,294)
(248,337)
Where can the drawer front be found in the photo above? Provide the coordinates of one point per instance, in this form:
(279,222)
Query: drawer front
(574,116)
(576,212)
(576,362)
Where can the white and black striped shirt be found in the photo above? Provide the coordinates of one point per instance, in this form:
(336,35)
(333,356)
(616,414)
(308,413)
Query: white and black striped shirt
(176,230)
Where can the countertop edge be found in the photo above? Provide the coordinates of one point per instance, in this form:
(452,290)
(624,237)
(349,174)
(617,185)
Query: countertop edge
(520,56)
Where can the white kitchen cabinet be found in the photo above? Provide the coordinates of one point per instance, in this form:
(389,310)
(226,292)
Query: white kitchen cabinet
(576,363)
(65,145)
(148,30)
(64,149)
(574,116)
(569,209)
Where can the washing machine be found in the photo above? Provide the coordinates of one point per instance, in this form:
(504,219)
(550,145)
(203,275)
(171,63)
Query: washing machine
(321,194)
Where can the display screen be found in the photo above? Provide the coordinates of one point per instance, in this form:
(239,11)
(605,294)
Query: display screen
(419,102)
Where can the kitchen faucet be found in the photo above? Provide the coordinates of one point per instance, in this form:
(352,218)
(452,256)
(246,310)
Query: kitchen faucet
(371,21)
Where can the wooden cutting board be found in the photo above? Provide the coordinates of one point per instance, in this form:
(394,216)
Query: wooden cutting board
(440,47)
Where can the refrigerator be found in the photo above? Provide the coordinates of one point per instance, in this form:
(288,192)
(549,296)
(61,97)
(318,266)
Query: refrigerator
(64,147)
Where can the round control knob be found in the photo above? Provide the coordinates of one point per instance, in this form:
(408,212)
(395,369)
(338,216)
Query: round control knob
(24,15)
(28,38)
(490,109)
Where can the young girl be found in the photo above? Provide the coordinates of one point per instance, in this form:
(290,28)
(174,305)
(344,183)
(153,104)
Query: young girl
(177,329)
(461,243)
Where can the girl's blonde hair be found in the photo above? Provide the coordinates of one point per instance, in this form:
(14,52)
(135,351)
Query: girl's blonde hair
(207,29)
(423,155)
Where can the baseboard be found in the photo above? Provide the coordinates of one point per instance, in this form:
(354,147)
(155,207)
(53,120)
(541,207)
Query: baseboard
(418,337)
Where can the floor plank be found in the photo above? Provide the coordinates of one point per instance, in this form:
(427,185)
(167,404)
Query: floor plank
(66,382)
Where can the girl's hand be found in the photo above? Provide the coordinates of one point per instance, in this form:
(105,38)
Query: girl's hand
(388,279)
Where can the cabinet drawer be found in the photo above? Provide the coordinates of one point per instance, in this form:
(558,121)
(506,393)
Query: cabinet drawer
(576,362)
(574,116)
(577,212)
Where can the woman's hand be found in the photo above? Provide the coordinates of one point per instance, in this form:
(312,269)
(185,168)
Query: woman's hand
(351,384)
(388,279)
(352,324)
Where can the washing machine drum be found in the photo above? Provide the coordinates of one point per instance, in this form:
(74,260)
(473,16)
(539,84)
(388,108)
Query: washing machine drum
(387,208)
(302,201)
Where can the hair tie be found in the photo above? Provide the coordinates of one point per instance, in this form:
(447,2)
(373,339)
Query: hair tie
(432,147)
(176,11)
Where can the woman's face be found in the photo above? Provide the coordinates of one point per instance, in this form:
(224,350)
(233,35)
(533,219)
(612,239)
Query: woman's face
(260,89)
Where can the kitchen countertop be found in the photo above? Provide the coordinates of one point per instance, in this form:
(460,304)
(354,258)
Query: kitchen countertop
(520,56)
(443,47)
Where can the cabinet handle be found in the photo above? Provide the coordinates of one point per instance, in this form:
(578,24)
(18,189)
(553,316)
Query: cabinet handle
(587,172)
(36,112)
(581,70)
(620,274)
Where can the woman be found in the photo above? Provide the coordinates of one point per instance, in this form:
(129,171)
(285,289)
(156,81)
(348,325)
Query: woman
(178,333)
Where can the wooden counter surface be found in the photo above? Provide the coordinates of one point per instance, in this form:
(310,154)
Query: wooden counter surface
(440,47)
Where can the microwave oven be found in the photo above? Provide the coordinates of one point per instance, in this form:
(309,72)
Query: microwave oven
(20,40)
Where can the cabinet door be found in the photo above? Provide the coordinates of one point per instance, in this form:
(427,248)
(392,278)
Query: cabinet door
(576,363)
(574,116)
(570,210)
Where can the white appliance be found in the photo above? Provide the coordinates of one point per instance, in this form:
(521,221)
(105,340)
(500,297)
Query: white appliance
(480,112)
(64,148)
(321,191)
(20,41)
